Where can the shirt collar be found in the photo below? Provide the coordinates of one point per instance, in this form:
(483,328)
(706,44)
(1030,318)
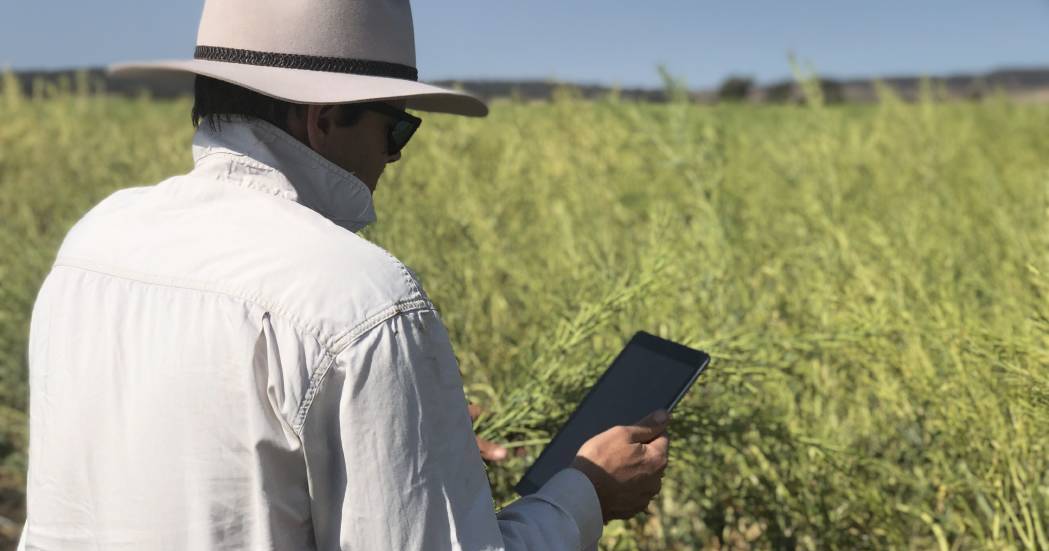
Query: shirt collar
(255,154)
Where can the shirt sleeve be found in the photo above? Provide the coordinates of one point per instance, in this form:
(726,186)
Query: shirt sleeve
(393,463)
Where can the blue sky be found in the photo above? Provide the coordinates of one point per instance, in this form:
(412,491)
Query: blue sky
(595,41)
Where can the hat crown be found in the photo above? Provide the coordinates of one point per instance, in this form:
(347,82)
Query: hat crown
(312,51)
(356,30)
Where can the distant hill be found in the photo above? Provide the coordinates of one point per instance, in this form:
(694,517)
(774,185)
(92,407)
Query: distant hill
(174,85)
(96,80)
(1025,84)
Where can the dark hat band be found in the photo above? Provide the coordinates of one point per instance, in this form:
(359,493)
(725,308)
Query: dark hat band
(365,67)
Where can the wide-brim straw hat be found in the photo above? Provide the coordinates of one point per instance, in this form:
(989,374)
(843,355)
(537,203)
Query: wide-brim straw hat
(312,52)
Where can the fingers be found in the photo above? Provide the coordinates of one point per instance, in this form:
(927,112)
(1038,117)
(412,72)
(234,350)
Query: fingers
(475,411)
(656,459)
(650,427)
(490,451)
(658,448)
(658,418)
(629,462)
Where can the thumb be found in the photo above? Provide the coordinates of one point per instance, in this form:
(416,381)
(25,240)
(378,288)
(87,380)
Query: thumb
(649,428)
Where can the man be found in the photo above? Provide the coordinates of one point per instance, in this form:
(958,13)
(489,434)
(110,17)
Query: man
(219,362)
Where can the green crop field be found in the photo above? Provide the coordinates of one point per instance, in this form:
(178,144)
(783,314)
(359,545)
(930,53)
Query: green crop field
(872,283)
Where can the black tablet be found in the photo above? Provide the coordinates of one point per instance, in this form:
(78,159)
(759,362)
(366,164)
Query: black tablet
(649,374)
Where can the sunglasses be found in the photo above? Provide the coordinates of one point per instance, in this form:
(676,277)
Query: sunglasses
(404,125)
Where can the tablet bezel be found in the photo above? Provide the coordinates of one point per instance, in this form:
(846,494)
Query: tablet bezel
(669,349)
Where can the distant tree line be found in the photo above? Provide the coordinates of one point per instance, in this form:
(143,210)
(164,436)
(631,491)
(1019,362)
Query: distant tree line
(734,88)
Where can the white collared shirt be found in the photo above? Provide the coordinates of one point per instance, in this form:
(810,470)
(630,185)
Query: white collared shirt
(219,362)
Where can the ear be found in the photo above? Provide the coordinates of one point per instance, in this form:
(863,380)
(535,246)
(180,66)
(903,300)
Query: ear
(320,121)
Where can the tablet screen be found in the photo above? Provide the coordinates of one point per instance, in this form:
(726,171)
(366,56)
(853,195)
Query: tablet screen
(649,374)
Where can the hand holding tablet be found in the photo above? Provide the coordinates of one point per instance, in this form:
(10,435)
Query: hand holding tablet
(625,464)
(604,437)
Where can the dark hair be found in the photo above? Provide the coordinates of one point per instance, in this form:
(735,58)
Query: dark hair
(218,101)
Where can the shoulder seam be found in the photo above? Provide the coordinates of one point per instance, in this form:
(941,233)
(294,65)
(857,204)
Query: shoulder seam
(409,278)
(331,349)
(192,285)
(344,342)
(332,345)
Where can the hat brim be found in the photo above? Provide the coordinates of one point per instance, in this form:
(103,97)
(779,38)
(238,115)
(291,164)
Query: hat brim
(312,87)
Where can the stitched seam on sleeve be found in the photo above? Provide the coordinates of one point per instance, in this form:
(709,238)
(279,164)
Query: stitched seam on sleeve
(332,348)
(341,341)
(318,376)
(311,392)
(199,287)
